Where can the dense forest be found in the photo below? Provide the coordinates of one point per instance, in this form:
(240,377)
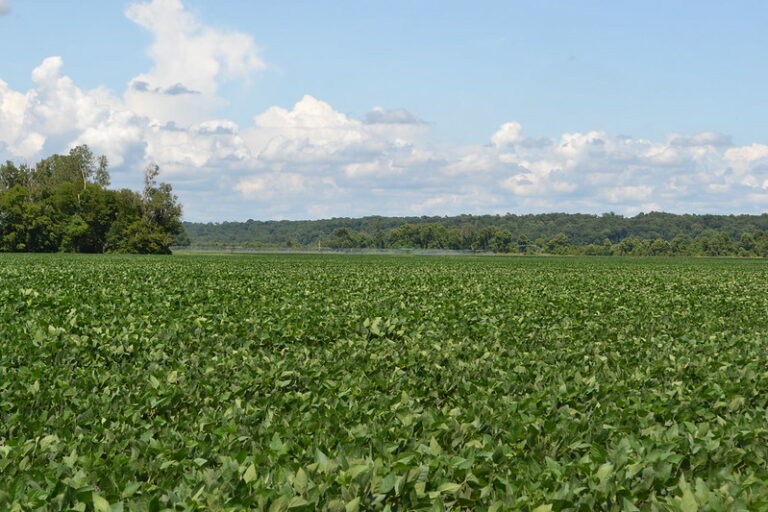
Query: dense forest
(63,204)
(654,233)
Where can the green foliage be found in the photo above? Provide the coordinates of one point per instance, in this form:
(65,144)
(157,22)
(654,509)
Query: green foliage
(491,234)
(302,382)
(141,237)
(62,204)
(466,231)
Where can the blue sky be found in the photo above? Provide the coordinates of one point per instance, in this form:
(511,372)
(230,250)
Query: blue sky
(593,106)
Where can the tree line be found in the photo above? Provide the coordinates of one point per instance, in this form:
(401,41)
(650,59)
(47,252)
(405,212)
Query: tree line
(493,239)
(655,233)
(63,203)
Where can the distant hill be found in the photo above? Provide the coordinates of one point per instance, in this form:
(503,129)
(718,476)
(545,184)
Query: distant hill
(581,229)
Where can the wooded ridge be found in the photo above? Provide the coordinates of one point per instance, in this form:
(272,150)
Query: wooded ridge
(655,233)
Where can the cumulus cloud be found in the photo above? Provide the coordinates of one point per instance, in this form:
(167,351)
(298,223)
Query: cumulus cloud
(54,108)
(313,136)
(161,114)
(311,132)
(190,62)
(746,158)
(312,160)
(507,134)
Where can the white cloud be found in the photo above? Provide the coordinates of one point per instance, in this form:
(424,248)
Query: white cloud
(467,199)
(373,168)
(54,107)
(18,138)
(268,185)
(311,132)
(314,138)
(190,60)
(59,106)
(507,134)
(745,158)
(5,7)
(533,184)
(630,193)
(121,136)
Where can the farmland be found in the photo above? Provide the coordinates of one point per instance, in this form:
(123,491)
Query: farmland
(343,383)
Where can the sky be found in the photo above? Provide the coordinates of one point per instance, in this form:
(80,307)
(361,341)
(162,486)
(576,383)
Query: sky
(312,109)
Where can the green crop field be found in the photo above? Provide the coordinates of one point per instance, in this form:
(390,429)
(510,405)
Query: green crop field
(344,383)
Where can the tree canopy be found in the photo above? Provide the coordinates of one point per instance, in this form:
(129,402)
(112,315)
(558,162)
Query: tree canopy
(657,233)
(63,203)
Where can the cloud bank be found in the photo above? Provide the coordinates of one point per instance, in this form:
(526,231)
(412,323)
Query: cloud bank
(310,160)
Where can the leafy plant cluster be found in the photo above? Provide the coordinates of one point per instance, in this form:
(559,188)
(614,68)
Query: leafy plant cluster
(346,383)
(62,203)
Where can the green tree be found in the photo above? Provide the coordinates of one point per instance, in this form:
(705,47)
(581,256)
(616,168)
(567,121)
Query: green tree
(63,204)
(558,244)
(11,175)
(627,247)
(23,225)
(660,247)
(501,241)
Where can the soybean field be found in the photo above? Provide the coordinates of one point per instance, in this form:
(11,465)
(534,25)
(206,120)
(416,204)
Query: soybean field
(391,383)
